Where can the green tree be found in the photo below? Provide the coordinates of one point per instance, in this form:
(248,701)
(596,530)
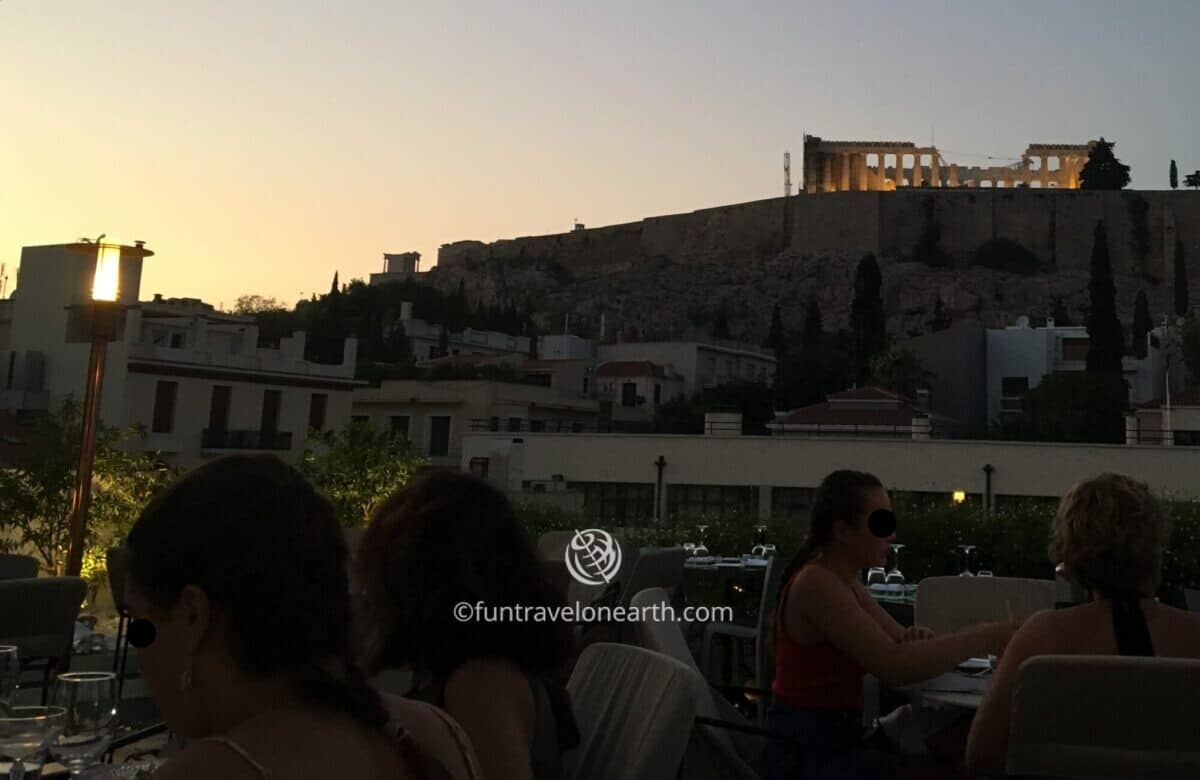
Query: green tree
(1142,324)
(334,289)
(443,342)
(1181,281)
(356,467)
(1103,171)
(1106,342)
(901,371)
(817,370)
(248,305)
(1192,180)
(753,400)
(813,331)
(35,493)
(928,249)
(1190,346)
(1174,176)
(776,338)
(720,326)
(941,318)
(1072,406)
(868,321)
(1059,312)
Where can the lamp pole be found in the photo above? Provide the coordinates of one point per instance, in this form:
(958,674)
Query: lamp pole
(104,311)
(104,317)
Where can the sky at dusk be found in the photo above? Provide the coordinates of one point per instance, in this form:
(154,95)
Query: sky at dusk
(259,146)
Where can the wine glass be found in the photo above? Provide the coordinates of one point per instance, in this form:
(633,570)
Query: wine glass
(25,732)
(966,549)
(760,541)
(689,549)
(876,576)
(90,702)
(895,580)
(10,674)
(769,550)
(702,548)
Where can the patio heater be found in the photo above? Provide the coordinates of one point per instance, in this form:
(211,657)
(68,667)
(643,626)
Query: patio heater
(104,311)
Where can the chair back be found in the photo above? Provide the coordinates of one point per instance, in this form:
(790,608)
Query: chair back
(712,751)
(17,567)
(38,615)
(1105,717)
(635,709)
(947,604)
(1193,599)
(552,545)
(116,562)
(764,656)
(660,567)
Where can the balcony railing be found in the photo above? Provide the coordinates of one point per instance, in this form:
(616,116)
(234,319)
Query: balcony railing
(245,440)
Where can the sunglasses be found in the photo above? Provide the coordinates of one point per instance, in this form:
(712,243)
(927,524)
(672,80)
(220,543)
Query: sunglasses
(882,523)
(141,633)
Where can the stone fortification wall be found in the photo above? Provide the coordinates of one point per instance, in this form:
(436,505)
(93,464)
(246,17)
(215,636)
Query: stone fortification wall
(1055,225)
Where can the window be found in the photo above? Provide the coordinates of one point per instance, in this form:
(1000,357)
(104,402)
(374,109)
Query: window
(1075,349)
(657,394)
(715,499)
(537,426)
(493,423)
(1187,438)
(514,424)
(628,394)
(12,370)
(176,341)
(316,411)
(270,412)
(479,467)
(399,425)
(1012,393)
(218,411)
(359,419)
(620,503)
(164,407)
(585,385)
(439,436)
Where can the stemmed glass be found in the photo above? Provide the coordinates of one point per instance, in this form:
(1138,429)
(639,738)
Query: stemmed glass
(701,548)
(689,549)
(25,732)
(90,702)
(876,575)
(760,541)
(966,549)
(895,580)
(10,674)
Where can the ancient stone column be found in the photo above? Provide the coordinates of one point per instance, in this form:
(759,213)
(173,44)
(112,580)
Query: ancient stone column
(844,169)
(898,176)
(953,174)
(881,173)
(862,173)
(935,170)
(918,175)
(827,177)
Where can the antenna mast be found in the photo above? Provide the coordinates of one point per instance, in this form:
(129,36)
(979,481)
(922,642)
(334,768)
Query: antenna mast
(787,174)
(3,279)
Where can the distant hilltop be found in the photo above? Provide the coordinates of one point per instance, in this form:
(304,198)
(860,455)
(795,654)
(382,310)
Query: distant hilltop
(1001,252)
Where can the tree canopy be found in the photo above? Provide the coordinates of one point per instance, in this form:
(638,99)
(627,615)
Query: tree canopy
(1174,176)
(1181,281)
(868,319)
(1072,406)
(1142,324)
(357,467)
(1103,171)
(1106,340)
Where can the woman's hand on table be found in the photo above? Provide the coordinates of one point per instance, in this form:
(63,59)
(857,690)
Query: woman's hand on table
(916,634)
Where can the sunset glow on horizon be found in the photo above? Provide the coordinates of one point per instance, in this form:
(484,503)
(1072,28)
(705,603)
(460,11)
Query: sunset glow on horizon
(258,148)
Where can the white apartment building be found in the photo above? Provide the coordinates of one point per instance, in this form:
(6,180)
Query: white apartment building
(435,415)
(1019,356)
(194,378)
(636,388)
(701,364)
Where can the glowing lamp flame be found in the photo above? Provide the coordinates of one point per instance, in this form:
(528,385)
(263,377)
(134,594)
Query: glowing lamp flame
(105,285)
(960,496)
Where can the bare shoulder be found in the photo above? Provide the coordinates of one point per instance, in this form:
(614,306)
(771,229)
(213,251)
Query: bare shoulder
(435,732)
(490,677)
(1042,631)
(205,759)
(1183,631)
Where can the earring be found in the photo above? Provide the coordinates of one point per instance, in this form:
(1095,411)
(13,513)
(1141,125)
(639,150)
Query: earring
(185,679)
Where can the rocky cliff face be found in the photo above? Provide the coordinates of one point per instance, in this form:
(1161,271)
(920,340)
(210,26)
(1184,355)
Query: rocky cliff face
(668,277)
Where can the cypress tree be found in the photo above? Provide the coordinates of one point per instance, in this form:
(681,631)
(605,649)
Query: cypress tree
(776,340)
(814,330)
(333,288)
(1106,341)
(1174,176)
(867,317)
(1141,324)
(1181,282)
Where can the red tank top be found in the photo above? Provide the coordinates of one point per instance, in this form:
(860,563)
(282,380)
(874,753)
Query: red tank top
(814,676)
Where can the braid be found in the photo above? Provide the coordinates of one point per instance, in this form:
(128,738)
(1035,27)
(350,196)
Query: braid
(342,689)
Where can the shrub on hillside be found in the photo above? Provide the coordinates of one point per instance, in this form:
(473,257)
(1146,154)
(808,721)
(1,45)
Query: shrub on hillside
(1003,254)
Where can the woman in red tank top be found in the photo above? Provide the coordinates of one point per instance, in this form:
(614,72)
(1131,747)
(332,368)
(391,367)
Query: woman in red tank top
(829,633)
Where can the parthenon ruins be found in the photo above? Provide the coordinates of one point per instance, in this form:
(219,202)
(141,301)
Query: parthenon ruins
(840,166)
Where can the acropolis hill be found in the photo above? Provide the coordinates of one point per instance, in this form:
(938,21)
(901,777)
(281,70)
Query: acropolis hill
(666,276)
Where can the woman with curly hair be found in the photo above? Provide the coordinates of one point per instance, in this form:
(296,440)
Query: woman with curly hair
(445,540)
(1109,532)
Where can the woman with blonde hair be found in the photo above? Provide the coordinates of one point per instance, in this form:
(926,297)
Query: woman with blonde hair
(1109,533)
